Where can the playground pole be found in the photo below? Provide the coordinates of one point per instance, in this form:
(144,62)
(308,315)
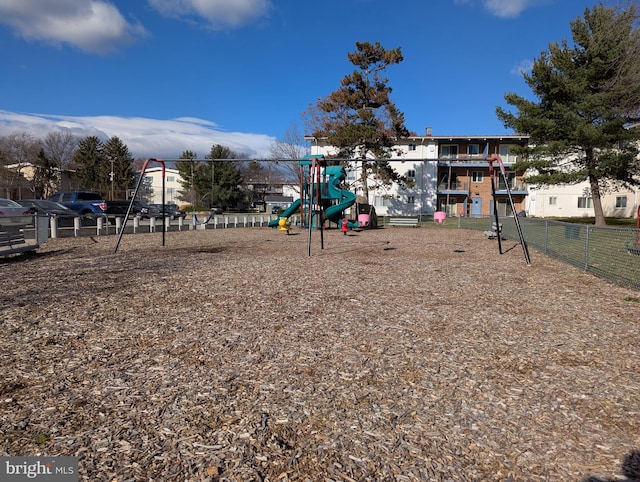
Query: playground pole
(523,243)
(495,204)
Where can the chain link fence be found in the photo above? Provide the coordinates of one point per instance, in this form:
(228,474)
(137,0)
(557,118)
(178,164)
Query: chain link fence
(610,253)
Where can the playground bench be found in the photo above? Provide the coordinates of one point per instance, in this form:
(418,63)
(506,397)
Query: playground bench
(411,222)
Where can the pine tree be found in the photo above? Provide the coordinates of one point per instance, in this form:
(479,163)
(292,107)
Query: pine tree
(91,172)
(359,118)
(588,95)
(187,169)
(120,162)
(219,179)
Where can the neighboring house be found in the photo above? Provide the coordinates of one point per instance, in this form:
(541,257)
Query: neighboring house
(576,201)
(450,173)
(16,181)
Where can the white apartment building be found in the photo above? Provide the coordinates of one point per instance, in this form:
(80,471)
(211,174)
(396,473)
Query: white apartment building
(153,180)
(451,174)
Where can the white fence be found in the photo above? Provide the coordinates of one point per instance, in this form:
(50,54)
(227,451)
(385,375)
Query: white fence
(136,225)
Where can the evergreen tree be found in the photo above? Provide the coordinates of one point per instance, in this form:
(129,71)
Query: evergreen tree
(359,118)
(92,173)
(218,179)
(588,95)
(119,161)
(187,169)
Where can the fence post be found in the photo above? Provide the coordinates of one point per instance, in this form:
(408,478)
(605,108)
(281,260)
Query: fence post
(546,236)
(136,224)
(76,227)
(53,224)
(100,226)
(586,248)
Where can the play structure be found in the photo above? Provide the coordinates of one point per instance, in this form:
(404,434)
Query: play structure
(321,198)
(633,244)
(496,223)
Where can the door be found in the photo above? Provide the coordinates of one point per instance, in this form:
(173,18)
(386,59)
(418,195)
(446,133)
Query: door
(476,207)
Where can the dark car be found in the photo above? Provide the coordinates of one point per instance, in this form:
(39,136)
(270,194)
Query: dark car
(62,214)
(217,209)
(276,209)
(170,210)
(144,210)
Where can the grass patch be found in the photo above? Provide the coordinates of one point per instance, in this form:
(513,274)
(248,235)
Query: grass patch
(613,222)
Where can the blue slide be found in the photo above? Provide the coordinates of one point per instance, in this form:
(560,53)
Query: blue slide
(333,213)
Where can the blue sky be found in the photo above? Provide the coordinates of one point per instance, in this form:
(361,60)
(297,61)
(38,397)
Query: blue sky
(171,75)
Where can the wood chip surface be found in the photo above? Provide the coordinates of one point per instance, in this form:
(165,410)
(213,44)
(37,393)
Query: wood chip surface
(397,354)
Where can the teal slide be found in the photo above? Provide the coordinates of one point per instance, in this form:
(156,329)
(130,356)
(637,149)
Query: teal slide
(346,199)
(334,212)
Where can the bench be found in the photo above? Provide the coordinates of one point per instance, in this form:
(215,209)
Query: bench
(411,222)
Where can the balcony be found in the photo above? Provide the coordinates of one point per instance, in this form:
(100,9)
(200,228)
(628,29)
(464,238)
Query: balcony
(517,188)
(453,188)
(471,160)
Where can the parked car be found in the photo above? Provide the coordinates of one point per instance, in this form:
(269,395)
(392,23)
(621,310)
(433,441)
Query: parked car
(62,214)
(12,213)
(170,210)
(276,209)
(144,210)
(217,209)
(90,205)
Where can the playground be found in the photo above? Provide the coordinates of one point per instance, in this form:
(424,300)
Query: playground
(250,354)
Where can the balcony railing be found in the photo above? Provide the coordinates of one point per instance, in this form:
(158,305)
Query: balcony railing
(454,186)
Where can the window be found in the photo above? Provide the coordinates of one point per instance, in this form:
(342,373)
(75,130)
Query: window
(412,147)
(381,201)
(449,151)
(411,173)
(506,154)
(171,179)
(553,200)
(477,176)
(473,149)
(621,201)
(411,199)
(585,202)
(511,180)
(351,175)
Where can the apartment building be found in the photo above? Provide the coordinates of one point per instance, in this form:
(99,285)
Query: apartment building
(152,185)
(449,173)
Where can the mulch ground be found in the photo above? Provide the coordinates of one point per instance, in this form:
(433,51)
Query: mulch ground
(396,354)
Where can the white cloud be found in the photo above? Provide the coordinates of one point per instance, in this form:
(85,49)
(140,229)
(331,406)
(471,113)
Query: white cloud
(505,8)
(523,67)
(92,26)
(144,137)
(218,14)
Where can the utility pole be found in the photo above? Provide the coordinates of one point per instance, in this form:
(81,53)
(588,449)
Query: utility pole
(111,177)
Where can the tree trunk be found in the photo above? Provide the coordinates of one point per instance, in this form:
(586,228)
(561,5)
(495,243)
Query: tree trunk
(364,175)
(597,202)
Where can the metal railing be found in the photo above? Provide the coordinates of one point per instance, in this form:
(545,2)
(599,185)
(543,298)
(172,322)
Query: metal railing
(610,253)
